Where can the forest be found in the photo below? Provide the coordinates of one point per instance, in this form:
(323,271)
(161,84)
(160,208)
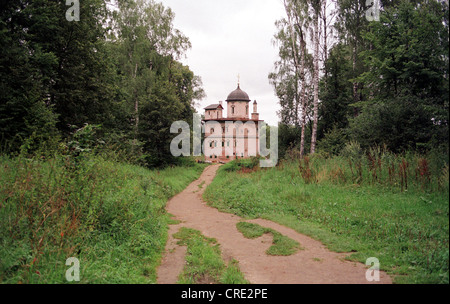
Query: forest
(381,83)
(115,70)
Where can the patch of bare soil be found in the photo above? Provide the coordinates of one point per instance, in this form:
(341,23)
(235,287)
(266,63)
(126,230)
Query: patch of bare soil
(315,264)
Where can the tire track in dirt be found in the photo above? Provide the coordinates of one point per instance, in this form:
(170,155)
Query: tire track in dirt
(315,264)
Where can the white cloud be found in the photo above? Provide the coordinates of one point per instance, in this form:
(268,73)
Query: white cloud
(231,37)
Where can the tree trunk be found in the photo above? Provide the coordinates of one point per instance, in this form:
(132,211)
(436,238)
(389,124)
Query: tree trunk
(303,91)
(296,63)
(316,83)
(355,84)
(136,108)
(301,70)
(325,34)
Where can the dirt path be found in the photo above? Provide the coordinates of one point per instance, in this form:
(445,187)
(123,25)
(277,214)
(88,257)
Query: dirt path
(314,264)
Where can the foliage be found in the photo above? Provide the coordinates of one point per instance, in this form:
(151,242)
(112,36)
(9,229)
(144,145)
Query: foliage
(407,78)
(157,89)
(384,82)
(288,138)
(114,68)
(336,91)
(333,142)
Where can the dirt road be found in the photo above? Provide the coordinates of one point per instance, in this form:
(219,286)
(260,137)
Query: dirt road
(315,264)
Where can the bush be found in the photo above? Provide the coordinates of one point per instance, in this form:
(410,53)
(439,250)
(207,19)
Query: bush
(333,142)
(352,150)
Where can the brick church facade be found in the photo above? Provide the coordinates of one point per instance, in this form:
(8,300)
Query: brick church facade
(233,136)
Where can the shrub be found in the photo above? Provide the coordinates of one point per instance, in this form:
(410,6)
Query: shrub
(333,142)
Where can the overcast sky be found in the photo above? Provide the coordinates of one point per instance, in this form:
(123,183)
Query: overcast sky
(231,37)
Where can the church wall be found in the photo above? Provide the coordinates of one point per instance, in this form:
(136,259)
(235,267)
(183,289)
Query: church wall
(229,138)
(239,109)
(213,114)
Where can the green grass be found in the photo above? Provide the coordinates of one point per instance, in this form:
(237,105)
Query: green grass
(204,264)
(282,245)
(109,215)
(406,229)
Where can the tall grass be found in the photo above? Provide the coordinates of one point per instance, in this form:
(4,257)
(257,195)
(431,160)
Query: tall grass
(109,215)
(378,167)
(393,207)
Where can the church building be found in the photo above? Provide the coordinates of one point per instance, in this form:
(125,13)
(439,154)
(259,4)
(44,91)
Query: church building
(235,135)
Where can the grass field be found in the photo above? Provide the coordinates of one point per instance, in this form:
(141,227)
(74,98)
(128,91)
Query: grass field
(389,210)
(108,215)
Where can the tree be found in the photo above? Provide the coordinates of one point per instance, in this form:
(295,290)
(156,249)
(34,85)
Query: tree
(144,31)
(407,77)
(316,5)
(158,90)
(23,107)
(350,24)
(54,72)
(292,78)
(336,90)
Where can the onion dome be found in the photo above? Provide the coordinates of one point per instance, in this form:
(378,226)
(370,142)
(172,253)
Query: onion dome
(238,95)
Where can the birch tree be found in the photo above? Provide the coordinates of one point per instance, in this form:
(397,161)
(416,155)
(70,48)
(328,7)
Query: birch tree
(316,8)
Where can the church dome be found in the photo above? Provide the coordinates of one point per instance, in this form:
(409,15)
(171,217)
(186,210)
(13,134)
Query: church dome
(238,95)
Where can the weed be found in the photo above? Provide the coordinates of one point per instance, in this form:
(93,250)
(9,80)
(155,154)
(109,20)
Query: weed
(306,172)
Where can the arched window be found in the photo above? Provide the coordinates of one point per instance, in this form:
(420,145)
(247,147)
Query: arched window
(232,109)
(212,130)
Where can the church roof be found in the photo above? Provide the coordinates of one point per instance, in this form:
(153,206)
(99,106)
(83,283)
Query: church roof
(238,95)
(214,106)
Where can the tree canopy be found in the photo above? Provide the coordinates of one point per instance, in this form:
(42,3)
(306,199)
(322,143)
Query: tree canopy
(383,82)
(116,68)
